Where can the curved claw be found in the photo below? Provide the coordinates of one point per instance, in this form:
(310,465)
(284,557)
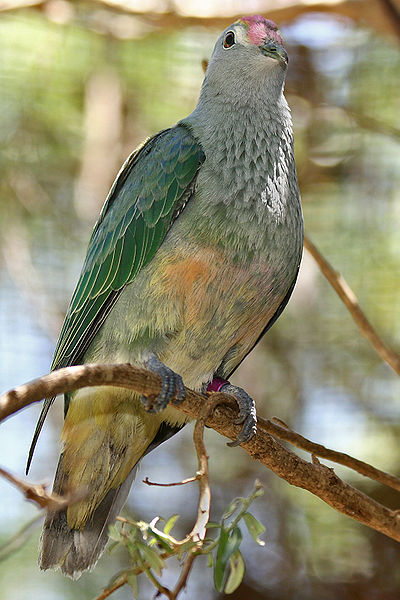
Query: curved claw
(180,389)
(247,414)
(172,386)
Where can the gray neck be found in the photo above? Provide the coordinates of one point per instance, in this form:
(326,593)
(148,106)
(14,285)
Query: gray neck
(247,185)
(243,85)
(259,104)
(244,145)
(244,128)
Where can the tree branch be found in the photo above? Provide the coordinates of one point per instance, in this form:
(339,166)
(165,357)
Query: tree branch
(283,432)
(374,13)
(348,297)
(37,493)
(316,478)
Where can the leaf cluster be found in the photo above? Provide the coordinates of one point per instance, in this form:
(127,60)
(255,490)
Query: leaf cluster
(149,545)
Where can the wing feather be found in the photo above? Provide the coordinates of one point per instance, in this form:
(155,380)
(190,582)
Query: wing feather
(150,191)
(142,204)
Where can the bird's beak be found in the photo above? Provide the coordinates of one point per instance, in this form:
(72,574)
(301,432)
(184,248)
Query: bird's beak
(275,50)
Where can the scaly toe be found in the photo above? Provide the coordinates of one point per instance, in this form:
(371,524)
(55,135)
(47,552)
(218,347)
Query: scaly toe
(249,429)
(247,414)
(180,390)
(171,386)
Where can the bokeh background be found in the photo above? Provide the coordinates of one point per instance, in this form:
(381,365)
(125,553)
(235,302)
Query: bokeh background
(81,84)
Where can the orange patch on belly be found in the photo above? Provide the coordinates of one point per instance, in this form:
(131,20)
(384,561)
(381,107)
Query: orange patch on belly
(215,294)
(179,274)
(194,280)
(184,273)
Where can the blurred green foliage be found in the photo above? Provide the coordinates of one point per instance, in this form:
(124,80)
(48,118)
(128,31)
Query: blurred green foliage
(313,370)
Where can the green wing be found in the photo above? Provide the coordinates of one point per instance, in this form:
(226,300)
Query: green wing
(151,189)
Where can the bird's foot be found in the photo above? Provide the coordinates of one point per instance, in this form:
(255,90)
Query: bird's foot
(247,409)
(172,387)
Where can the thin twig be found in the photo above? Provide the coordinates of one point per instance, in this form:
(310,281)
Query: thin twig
(157,584)
(183,482)
(123,579)
(283,432)
(347,296)
(16,542)
(37,493)
(187,566)
(375,125)
(317,479)
(199,530)
(110,590)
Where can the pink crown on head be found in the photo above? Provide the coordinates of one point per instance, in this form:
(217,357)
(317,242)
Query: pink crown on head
(259,28)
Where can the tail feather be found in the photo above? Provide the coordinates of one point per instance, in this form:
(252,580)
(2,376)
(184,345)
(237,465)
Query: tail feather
(73,550)
(45,409)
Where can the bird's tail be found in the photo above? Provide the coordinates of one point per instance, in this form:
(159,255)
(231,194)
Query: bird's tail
(76,550)
(105,435)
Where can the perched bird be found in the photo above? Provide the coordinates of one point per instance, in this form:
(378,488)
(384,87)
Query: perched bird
(193,258)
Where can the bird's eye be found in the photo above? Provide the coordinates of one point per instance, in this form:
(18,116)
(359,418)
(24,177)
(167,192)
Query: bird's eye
(229,40)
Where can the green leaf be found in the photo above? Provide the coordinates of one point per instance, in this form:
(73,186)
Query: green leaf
(255,527)
(212,525)
(220,564)
(258,489)
(163,540)
(132,550)
(170,523)
(231,508)
(134,584)
(237,569)
(151,557)
(115,534)
(228,544)
(112,547)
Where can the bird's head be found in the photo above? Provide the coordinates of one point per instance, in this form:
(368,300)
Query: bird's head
(249,53)
(257,36)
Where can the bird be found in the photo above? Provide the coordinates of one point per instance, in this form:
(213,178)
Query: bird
(194,256)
